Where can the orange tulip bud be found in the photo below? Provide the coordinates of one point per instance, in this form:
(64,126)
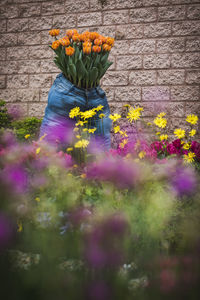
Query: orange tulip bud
(65,41)
(96,49)
(71,32)
(110,41)
(55,44)
(98,42)
(76,37)
(106,47)
(87,50)
(69,51)
(54,32)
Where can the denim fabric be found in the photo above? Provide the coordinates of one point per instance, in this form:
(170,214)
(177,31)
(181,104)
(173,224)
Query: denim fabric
(63,96)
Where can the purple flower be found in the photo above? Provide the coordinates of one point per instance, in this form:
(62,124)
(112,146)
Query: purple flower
(122,173)
(183,181)
(16,176)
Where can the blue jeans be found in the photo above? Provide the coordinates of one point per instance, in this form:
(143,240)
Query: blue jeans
(64,95)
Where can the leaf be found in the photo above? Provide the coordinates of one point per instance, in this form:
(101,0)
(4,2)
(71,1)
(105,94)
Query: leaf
(72,70)
(93,75)
(81,70)
(105,68)
(104,58)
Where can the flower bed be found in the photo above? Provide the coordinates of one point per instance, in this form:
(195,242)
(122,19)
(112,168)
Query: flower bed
(90,224)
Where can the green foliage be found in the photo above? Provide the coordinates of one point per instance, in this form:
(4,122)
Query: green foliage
(5,118)
(29,125)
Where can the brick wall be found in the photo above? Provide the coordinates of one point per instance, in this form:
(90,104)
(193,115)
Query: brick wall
(156,55)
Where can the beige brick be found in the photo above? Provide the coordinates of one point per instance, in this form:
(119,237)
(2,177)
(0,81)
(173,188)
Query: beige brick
(36,109)
(193,77)
(171,77)
(156,93)
(16,25)
(3,25)
(46,38)
(149,110)
(29,10)
(115,17)
(186,28)
(8,39)
(127,94)
(193,12)
(185,60)
(120,47)
(28,38)
(40,80)
(3,54)
(193,44)
(156,61)
(104,30)
(115,78)
(130,31)
(171,13)
(2,81)
(157,29)
(28,95)
(142,46)
(72,6)
(9,11)
(40,23)
(44,94)
(9,67)
(180,93)
(9,95)
(64,21)
(29,66)
(110,93)
(170,45)
(183,1)
(143,15)
(142,77)
(112,59)
(53,7)
(17,81)
(192,107)
(17,53)
(156,2)
(40,52)
(128,3)
(99,5)
(89,19)
(129,62)
(48,66)
(177,109)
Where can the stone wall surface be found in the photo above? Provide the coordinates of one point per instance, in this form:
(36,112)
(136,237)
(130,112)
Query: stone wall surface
(156,57)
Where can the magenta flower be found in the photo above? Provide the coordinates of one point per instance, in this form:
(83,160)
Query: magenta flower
(16,177)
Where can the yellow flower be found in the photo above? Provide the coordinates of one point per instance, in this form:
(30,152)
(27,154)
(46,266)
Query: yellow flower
(85,129)
(75,129)
(88,114)
(78,136)
(116,129)
(69,149)
(126,105)
(37,199)
(38,150)
(99,107)
(27,136)
(92,130)
(123,143)
(101,116)
(20,226)
(75,166)
(163,137)
(82,144)
(192,119)
(189,157)
(42,137)
(74,112)
(158,133)
(134,114)
(114,117)
(160,122)
(81,123)
(186,146)
(123,133)
(162,114)
(179,133)
(83,175)
(192,132)
(142,154)
(149,124)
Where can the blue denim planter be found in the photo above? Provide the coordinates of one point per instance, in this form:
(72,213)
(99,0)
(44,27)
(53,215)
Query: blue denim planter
(63,96)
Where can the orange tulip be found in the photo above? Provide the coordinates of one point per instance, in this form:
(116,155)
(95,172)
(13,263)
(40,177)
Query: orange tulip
(110,41)
(55,45)
(94,35)
(64,41)
(71,32)
(106,47)
(69,51)
(96,49)
(76,37)
(87,50)
(54,32)
(98,42)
